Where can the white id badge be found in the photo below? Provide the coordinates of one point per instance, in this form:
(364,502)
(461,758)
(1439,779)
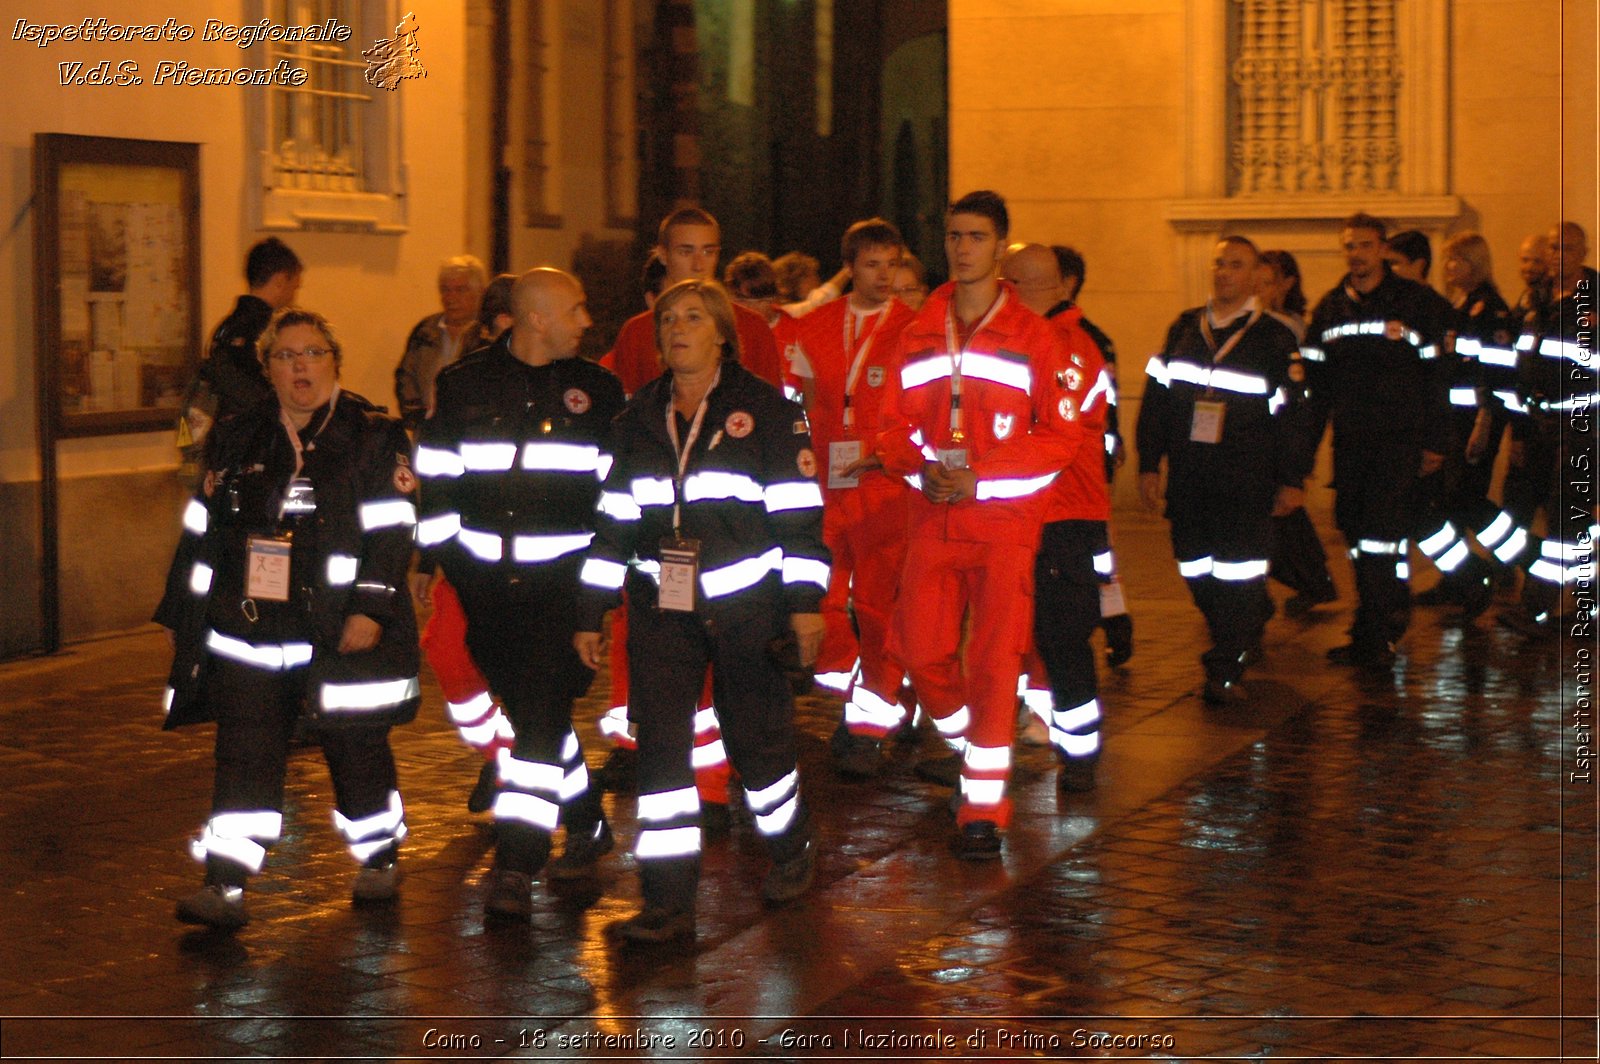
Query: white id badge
(1111,601)
(1207,424)
(267,569)
(841,453)
(680,569)
(952,457)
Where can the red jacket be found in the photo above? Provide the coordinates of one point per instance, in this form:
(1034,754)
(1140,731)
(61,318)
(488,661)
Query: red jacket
(635,359)
(821,356)
(1021,427)
(1079,493)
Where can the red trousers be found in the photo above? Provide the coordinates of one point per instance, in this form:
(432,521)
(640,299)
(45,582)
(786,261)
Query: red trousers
(472,709)
(972,702)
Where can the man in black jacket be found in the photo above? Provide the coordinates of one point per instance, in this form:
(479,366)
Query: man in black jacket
(1375,365)
(511,461)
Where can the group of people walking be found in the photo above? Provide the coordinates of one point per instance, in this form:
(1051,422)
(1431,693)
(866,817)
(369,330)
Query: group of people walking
(910,501)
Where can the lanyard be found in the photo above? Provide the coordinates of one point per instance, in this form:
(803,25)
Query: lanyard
(854,375)
(1218,354)
(681,451)
(957,353)
(294,433)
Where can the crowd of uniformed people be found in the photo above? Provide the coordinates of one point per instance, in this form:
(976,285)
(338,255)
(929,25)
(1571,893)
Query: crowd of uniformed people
(902,494)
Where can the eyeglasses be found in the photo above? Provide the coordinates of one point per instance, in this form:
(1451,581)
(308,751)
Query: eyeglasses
(311,354)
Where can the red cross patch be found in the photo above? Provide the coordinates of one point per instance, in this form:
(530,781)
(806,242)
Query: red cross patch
(739,424)
(577,400)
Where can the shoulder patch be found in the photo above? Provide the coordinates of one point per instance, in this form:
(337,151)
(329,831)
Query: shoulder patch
(405,481)
(576,400)
(739,424)
(1067,408)
(807,461)
(801,428)
(1003,424)
(875,376)
(1394,330)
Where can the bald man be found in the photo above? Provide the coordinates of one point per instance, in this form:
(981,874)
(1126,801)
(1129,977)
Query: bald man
(1533,264)
(509,462)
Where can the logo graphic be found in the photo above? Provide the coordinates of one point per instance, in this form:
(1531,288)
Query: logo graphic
(390,62)
(405,482)
(1003,424)
(739,424)
(807,461)
(875,376)
(577,400)
(1393,330)
(1074,379)
(1067,408)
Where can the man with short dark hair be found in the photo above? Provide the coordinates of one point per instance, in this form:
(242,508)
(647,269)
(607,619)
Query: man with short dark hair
(1216,409)
(1409,254)
(1374,366)
(978,422)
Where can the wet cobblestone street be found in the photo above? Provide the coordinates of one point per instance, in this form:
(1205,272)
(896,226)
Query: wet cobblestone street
(1346,867)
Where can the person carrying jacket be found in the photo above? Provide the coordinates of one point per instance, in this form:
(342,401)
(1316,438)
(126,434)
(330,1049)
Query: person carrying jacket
(1216,409)
(289,587)
(511,460)
(976,422)
(711,519)
(1375,367)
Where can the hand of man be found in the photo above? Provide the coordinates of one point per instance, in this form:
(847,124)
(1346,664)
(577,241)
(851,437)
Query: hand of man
(808,629)
(1119,454)
(1288,501)
(589,646)
(935,482)
(422,586)
(360,633)
(963,485)
(1150,491)
(1432,462)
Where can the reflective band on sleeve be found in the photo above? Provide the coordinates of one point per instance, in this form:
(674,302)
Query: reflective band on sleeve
(1194,567)
(527,808)
(1463,397)
(528,775)
(376,694)
(1102,386)
(987,758)
(342,569)
(1498,356)
(1278,401)
(659,843)
(200,577)
(804,571)
(571,749)
(598,572)
(195,517)
(438,462)
(485,546)
(560,457)
(1012,487)
(664,805)
(262,656)
(387,514)
(720,485)
(1111,444)
(1156,370)
(727,580)
(488,457)
(1253,569)
(1434,544)
(619,507)
(652,491)
(792,495)
(548,548)
(431,531)
(915,480)
(602,466)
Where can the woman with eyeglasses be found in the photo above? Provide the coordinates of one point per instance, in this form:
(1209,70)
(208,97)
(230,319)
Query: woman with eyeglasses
(287,595)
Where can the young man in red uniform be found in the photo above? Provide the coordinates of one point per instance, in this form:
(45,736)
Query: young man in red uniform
(977,422)
(843,357)
(1074,559)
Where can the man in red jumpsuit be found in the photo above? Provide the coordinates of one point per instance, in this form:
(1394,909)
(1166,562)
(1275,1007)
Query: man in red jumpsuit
(843,358)
(977,421)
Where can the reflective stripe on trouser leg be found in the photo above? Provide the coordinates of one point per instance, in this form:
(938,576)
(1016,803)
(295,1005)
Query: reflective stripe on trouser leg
(481,724)
(776,806)
(239,836)
(526,811)
(1075,732)
(952,727)
(1563,562)
(370,835)
(669,825)
(871,715)
(984,771)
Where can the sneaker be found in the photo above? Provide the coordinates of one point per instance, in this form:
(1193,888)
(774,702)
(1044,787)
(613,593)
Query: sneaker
(581,857)
(482,797)
(1077,775)
(1304,602)
(716,820)
(857,757)
(1223,693)
(620,773)
(215,905)
(1031,731)
(653,924)
(1363,654)
(1119,639)
(510,895)
(977,841)
(945,771)
(377,883)
(787,881)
